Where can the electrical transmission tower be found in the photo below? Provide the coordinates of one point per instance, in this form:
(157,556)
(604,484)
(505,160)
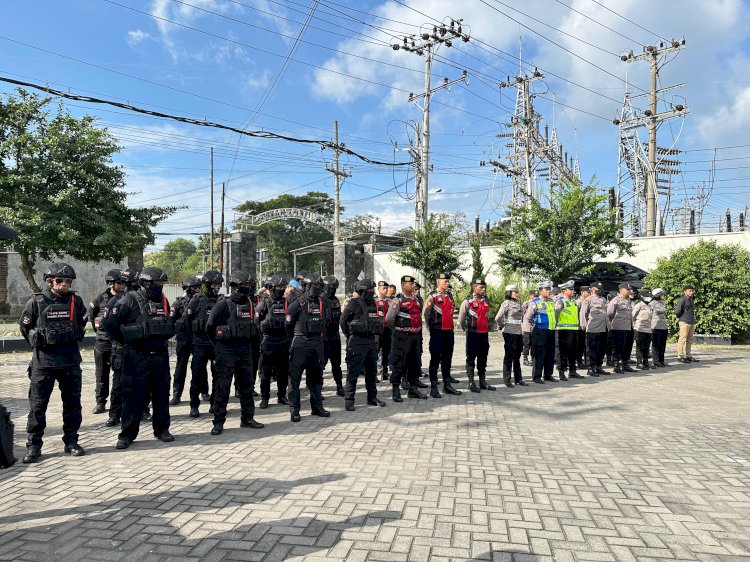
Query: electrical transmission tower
(649,196)
(532,155)
(425,45)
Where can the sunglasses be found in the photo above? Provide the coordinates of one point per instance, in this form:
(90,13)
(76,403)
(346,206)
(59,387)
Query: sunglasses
(61,280)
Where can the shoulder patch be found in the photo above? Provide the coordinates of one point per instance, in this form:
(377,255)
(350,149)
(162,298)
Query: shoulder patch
(26,320)
(288,318)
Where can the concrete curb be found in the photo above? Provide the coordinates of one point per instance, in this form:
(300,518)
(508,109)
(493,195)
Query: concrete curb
(11,344)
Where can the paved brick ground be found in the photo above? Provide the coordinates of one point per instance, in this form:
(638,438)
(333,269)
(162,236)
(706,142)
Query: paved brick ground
(636,467)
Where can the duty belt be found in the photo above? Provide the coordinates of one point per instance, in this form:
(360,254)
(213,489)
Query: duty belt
(409,330)
(511,321)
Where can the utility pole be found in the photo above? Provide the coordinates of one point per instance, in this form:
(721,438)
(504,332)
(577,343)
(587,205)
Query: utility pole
(221,234)
(336,189)
(211,237)
(652,118)
(426,44)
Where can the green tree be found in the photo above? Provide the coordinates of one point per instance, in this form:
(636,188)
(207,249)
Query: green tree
(60,189)
(174,258)
(433,250)
(280,237)
(720,274)
(361,224)
(477,267)
(563,239)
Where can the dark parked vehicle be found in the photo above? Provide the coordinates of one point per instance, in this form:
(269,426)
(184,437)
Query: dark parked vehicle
(611,274)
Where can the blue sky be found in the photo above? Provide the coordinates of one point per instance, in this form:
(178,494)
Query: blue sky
(218,59)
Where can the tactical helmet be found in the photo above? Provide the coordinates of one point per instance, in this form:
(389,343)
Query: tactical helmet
(151,274)
(311,278)
(113,275)
(300,275)
(278,280)
(363,285)
(236,278)
(59,269)
(330,281)
(211,277)
(268,283)
(129,275)
(191,282)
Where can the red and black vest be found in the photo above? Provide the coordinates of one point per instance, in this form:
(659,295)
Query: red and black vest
(441,317)
(409,317)
(382,304)
(476,314)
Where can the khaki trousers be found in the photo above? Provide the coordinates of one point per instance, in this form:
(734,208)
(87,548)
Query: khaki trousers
(685,341)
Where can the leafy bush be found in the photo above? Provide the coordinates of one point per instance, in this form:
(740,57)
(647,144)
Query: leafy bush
(720,274)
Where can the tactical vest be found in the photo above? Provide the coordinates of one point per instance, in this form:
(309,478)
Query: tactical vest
(241,322)
(274,323)
(441,317)
(57,321)
(179,305)
(102,310)
(369,322)
(334,315)
(312,317)
(568,318)
(544,316)
(205,304)
(153,322)
(409,316)
(476,314)
(382,304)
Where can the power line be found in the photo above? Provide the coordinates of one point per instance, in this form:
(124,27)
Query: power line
(259,134)
(631,21)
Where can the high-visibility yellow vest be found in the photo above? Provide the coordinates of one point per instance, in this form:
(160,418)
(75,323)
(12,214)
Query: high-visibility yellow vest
(568,319)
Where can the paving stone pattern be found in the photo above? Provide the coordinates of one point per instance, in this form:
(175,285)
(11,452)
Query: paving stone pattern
(651,466)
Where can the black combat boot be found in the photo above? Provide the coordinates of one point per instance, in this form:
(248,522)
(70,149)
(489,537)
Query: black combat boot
(434,392)
(339,389)
(618,368)
(561,375)
(385,377)
(33,454)
(349,405)
(263,403)
(448,389)
(396,394)
(526,362)
(251,423)
(295,415)
(592,373)
(627,368)
(574,374)
(472,385)
(217,429)
(317,409)
(415,393)
(483,383)
(404,384)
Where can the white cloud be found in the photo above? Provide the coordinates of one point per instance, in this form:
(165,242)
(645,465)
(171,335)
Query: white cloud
(258,81)
(136,37)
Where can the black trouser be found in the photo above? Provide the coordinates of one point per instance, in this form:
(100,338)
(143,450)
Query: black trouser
(581,347)
(233,358)
(103,365)
(441,355)
(384,347)
(642,346)
(567,341)
(622,344)
(543,348)
(526,343)
(183,350)
(144,371)
(306,354)
(42,383)
(659,344)
(406,357)
(115,399)
(512,361)
(274,362)
(332,353)
(477,348)
(361,355)
(596,345)
(609,344)
(202,354)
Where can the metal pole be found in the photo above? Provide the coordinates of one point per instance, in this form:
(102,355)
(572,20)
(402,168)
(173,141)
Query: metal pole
(211,237)
(221,234)
(336,206)
(651,179)
(426,136)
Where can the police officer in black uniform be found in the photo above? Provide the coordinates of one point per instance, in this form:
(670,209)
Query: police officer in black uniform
(231,325)
(306,319)
(362,325)
(274,345)
(129,277)
(183,337)
(331,337)
(54,322)
(141,321)
(103,344)
(197,314)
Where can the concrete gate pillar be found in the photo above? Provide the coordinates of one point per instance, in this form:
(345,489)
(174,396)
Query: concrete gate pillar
(239,252)
(344,265)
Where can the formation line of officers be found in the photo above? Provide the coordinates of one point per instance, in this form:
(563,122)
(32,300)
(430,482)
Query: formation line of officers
(291,327)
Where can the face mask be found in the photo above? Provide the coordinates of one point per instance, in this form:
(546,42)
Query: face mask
(369,296)
(646,299)
(244,291)
(278,293)
(315,291)
(154,291)
(330,291)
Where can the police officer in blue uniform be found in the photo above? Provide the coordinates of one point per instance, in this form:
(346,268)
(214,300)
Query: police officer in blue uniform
(231,327)
(362,324)
(54,322)
(103,344)
(306,320)
(142,323)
